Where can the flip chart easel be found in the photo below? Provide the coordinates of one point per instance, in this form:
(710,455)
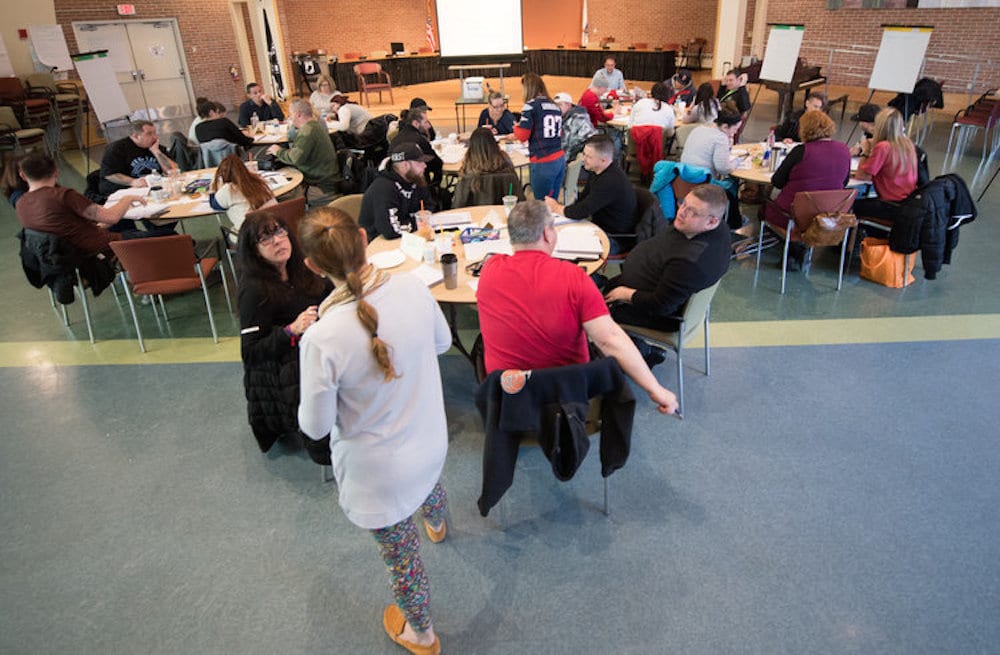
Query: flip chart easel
(783,44)
(104,95)
(899,60)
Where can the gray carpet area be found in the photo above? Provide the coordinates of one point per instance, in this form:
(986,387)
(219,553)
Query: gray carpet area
(838,499)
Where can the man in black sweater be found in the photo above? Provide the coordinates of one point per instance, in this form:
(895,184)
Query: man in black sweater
(662,272)
(608,198)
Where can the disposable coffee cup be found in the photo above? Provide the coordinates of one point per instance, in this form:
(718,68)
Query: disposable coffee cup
(443,244)
(449,267)
(508,204)
(429,252)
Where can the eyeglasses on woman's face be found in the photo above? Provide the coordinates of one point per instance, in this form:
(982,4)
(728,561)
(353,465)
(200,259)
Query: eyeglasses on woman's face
(270,233)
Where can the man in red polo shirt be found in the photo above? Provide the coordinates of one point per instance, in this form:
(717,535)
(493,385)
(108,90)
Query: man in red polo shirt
(536,311)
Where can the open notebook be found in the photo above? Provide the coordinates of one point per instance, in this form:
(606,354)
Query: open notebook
(578,242)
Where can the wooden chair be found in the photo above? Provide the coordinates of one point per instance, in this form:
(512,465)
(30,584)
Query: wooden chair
(67,107)
(697,312)
(158,266)
(290,211)
(692,52)
(644,202)
(350,204)
(805,207)
(30,112)
(14,138)
(372,78)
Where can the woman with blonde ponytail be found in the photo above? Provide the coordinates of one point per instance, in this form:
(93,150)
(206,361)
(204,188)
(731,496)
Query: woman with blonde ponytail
(370,379)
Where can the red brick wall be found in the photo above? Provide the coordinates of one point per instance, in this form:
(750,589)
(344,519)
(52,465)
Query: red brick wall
(961,39)
(206,32)
(655,22)
(354,26)
(340,30)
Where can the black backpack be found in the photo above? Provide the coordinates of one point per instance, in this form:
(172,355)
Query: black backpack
(92,192)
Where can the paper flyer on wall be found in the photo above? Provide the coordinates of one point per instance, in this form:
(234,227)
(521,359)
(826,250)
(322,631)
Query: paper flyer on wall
(6,70)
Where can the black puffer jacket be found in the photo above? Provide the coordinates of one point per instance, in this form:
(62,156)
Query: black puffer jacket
(929,220)
(271,358)
(551,405)
(50,261)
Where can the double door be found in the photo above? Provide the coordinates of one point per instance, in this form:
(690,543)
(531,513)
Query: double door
(148,61)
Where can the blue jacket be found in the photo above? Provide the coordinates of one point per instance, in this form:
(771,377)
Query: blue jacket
(664,173)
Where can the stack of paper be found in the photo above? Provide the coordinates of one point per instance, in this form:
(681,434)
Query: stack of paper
(274,180)
(475,252)
(448,220)
(149,210)
(578,242)
(429,275)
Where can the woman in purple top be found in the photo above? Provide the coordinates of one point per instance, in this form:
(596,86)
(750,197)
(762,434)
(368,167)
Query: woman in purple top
(818,164)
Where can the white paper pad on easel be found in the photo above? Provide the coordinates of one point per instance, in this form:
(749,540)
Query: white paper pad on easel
(578,241)
(429,275)
(475,252)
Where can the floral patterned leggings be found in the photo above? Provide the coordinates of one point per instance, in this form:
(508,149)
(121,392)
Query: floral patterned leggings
(399,546)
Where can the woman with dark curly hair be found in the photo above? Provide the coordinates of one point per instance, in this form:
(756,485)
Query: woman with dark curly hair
(279,299)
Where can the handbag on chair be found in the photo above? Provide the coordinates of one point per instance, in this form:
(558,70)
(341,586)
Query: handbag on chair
(880,264)
(828,229)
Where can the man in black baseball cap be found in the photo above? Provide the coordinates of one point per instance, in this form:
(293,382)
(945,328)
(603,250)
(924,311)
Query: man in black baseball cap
(391,203)
(683,87)
(865,118)
(415,127)
(420,102)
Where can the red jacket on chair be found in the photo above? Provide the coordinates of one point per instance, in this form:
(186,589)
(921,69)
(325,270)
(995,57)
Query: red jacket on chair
(648,140)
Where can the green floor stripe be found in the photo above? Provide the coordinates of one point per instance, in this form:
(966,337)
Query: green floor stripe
(724,335)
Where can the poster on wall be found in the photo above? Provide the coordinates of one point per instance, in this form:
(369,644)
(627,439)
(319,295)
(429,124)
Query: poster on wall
(6,70)
(910,4)
(49,45)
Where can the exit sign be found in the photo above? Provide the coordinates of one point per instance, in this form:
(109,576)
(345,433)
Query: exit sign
(126,10)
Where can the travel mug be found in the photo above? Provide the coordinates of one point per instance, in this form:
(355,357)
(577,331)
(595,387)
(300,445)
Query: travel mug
(449,266)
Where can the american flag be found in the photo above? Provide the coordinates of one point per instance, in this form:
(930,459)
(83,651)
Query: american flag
(430,28)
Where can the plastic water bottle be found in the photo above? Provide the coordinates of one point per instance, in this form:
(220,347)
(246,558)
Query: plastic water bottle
(255,122)
(770,139)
